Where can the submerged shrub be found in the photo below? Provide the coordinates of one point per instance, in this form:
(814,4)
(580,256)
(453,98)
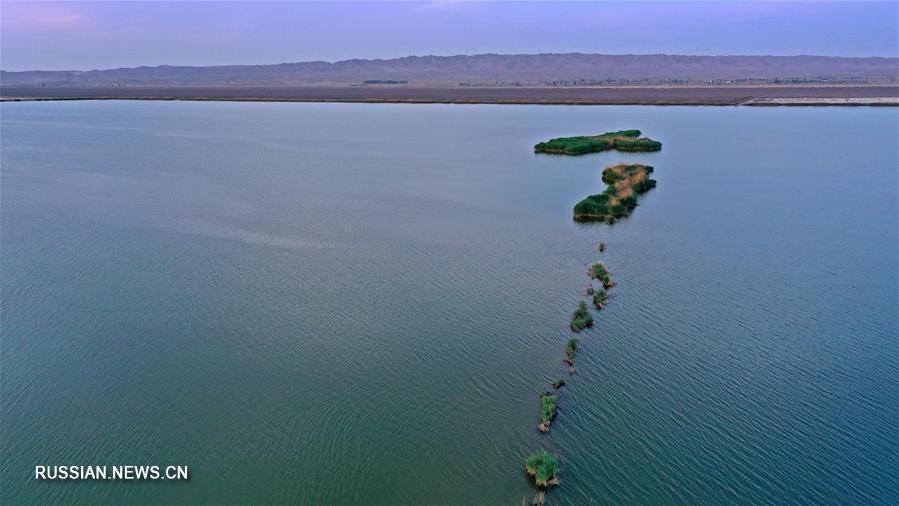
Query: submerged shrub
(581,318)
(571,349)
(599,298)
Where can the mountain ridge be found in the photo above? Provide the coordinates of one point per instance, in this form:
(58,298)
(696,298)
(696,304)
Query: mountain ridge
(489,69)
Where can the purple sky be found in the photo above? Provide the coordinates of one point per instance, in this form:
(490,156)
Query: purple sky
(89,35)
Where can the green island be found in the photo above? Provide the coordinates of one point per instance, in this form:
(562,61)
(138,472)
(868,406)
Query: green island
(544,467)
(581,318)
(549,404)
(559,383)
(625,182)
(599,272)
(623,140)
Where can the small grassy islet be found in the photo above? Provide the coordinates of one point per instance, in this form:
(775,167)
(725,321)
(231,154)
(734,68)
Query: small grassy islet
(544,467)
(600,272)
(622,140)
(549,405)
(581,318)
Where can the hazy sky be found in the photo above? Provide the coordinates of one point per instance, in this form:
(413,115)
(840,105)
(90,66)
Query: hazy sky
(88,35)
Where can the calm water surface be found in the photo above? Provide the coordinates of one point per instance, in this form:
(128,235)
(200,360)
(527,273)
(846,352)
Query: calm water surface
(358,304)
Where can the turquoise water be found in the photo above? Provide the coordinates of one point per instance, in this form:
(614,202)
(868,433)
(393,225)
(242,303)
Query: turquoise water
(358,304)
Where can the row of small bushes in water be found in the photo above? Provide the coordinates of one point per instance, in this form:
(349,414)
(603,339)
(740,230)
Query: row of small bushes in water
(549,401)
(623,140)
(581,318)
(625,183)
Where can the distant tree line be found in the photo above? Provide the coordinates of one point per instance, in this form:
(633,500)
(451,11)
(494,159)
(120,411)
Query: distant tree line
(697,81)
(384,81)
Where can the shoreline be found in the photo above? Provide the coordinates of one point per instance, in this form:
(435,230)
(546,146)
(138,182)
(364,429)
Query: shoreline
(754,96)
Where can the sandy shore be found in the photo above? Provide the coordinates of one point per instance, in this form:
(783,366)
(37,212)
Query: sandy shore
(641,95)
(888,101)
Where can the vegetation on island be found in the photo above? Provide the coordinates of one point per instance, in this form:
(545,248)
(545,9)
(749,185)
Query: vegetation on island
(559,383)
(625,183)
(549,404)
(544,467)
(599,272)
(642,144)
(624,140)
(581,318)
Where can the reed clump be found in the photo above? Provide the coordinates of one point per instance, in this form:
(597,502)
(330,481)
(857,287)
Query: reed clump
(549,405)
(599,299)
(544,467)
(599,272)
(571,351)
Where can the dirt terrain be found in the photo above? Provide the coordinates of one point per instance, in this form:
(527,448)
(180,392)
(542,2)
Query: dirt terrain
(680,95)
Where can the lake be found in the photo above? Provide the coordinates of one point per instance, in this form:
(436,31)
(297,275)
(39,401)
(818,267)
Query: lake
(359,304)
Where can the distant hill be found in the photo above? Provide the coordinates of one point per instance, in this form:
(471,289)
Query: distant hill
(569,69)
